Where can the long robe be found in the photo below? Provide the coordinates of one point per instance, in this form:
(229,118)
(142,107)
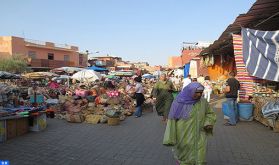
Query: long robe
(163,92)
(188,137)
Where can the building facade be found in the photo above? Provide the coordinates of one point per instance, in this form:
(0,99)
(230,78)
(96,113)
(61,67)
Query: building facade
(41,54)
(175,62)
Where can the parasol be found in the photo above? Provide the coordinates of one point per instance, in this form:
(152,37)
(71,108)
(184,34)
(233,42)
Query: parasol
(87,76)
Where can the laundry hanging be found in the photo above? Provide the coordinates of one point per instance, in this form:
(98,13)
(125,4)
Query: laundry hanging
(261,53)
(247,82)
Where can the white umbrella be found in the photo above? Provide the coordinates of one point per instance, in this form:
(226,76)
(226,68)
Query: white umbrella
(87,76)
(68,69)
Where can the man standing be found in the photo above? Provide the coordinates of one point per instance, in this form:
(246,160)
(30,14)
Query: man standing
(231,91)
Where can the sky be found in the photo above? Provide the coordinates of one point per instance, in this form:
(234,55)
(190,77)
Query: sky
(136,30)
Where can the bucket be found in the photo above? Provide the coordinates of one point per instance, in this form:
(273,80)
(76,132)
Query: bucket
(245,110)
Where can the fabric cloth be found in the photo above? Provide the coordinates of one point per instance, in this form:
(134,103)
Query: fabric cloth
(139,88)
(233,112)
(183,104)
(186,96)
(186,82)
(53,85)
(162,91)
(271,109)
(261,53)
(138,112)
(247,82)
(139,99)
(234,87)
(186,69)
(188,137)
(113,93)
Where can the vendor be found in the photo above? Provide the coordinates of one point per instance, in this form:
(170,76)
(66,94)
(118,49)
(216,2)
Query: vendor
(32,89)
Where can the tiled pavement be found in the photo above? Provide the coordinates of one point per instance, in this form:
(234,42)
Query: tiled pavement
(137,142)
(248,143)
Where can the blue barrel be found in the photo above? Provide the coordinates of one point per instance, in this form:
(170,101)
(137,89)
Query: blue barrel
(225,109)
(245,110)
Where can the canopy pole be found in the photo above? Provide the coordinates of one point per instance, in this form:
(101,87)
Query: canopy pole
(267,19)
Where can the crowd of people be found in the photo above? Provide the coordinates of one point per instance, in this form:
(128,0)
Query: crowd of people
(188,115)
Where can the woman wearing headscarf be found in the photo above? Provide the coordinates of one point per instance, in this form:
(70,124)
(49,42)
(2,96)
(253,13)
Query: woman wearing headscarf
(162,91)
(189,122)
(139,96)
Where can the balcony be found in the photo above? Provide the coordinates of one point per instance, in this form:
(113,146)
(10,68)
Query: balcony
(49,45)
(49,63)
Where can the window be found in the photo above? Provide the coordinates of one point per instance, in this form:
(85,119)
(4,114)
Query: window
(50,56)
(66,58)
(32,54)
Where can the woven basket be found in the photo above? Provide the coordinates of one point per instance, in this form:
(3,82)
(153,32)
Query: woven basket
(113,121)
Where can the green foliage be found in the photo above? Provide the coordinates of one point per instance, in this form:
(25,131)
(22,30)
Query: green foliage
(15,64)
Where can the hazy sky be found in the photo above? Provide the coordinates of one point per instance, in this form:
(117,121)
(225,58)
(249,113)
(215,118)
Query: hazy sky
(136,30)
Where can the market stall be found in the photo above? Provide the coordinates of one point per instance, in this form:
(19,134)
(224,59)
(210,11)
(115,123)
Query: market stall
(100,102)
(18,116)
(259,83)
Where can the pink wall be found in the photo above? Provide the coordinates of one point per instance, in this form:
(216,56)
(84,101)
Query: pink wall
(15,45)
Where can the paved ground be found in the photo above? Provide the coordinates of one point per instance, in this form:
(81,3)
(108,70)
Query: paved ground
(137,142)
(249,143)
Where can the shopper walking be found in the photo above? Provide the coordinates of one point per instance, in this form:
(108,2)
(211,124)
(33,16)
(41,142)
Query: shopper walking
(162,92)
(207,88)
(139,96)
(189,122)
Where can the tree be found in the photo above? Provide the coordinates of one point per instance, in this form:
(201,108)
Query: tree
(13,64)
